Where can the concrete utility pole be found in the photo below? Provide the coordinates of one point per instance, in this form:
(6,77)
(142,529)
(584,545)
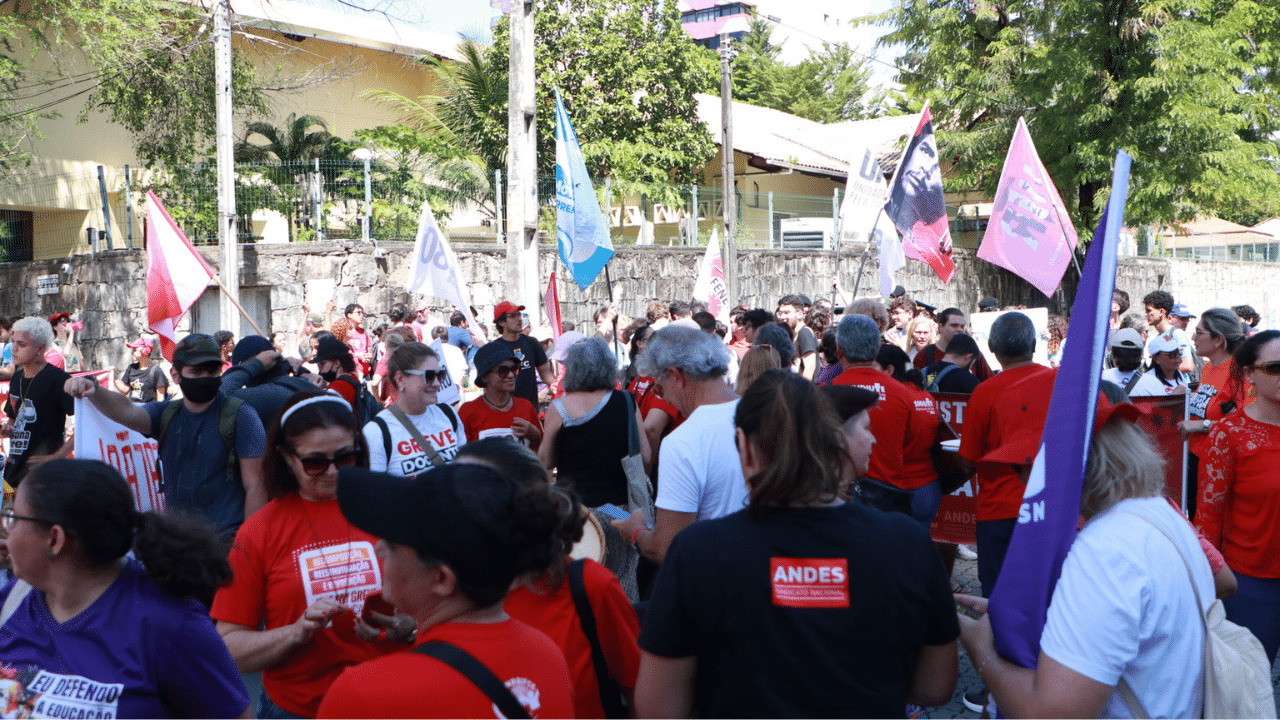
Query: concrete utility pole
(522,163)
(726,175)
(228,315)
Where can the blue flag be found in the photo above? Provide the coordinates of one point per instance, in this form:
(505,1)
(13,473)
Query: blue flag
(1051,503)
(585,247)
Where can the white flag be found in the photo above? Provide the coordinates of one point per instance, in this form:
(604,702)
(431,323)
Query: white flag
(864,196)
(892,257)
(710,287)
(434,268)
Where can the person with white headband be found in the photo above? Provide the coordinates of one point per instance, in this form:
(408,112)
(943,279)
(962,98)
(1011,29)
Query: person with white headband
(303,573)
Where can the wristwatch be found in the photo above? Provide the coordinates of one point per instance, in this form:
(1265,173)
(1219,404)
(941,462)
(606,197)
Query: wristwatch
(1207,424)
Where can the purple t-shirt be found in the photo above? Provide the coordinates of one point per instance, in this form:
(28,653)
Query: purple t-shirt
(136,652)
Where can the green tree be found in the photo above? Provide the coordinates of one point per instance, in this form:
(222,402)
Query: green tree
(628,74)
(1187,87)
(297,142)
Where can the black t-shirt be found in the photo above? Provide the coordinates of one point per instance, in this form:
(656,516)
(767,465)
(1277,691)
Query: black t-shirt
(143,382)
(530,355)
(806,612)
(806,342)
(39,409)
(955,381)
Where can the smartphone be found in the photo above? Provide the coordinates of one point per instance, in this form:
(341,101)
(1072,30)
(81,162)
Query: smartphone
(376,604)
(614,511)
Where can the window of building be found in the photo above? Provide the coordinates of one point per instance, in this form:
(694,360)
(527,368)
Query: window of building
(17,233)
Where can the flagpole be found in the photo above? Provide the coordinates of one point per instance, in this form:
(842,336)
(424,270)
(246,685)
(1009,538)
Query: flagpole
(613,339)
(1063,227)
(227,294)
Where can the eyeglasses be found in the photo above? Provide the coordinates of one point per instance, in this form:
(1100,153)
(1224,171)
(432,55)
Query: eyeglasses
(9,518)
(315,466)
(1270,369)
(428,376)
(506,370)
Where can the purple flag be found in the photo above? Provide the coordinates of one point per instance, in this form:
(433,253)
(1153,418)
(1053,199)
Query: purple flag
(916,204)
(1051,503)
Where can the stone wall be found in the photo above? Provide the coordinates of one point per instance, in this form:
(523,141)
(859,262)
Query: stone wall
(108,292)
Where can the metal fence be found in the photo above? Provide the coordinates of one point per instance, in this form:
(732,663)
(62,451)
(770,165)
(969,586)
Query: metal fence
(1146,243)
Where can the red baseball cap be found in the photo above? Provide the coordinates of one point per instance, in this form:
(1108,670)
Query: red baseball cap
(55,318)
(142,343)
(506,307)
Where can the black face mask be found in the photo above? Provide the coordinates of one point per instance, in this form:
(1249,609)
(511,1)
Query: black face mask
(329,375)
(200,390)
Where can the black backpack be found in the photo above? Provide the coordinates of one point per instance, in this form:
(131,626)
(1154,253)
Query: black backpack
(367,406)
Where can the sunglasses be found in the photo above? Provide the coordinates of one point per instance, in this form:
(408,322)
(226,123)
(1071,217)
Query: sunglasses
(315,466)
(1270,369)
(9,518)
(428,376)
(506,370)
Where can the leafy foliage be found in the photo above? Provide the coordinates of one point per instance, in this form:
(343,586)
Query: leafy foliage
(1187,87)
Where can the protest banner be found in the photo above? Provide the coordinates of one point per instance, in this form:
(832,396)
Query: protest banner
(133,455)
(957,518)
(450,392)
(1160,419)
(980,330)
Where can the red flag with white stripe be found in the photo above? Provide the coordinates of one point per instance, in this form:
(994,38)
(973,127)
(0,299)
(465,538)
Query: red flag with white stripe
(176,274)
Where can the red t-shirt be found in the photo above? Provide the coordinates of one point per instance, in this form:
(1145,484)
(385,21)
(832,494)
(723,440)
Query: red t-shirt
(1239,506)
(646,400)
(616,627)
(890,423)
(1206,402)
(917,462)
(740,348)
(482,421)
(411,685)
(1000,487)
(288,555)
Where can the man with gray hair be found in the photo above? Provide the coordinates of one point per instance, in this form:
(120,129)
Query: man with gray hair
(1000,487)
(857,342)
(699,475)
(37,409)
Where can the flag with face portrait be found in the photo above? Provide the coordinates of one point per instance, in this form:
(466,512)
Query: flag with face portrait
(916,204)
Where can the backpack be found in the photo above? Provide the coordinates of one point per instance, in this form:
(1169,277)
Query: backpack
(226,431)
(1237,671)
(933,381)
(367,406)
(386,431)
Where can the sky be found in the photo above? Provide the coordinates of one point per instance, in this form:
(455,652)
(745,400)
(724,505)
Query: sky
(802,23)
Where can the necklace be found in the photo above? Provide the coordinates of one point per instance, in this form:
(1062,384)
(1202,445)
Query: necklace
(501,407)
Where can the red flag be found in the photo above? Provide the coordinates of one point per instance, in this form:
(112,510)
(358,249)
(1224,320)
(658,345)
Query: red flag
(552,302)
(176,274)
(916,205)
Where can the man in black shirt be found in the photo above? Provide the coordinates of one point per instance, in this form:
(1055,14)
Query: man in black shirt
(529,352)
(950,374)
(37,407)
(791,310)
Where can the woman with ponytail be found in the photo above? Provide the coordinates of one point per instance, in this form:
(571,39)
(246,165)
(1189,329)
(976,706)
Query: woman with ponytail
(88,632)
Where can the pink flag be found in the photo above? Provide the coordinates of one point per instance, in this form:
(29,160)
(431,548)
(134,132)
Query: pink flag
(1029,233)
(552,301)
(176,274)
(710,286)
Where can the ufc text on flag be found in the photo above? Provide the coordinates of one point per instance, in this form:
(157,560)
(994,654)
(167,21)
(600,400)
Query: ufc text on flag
(585,246)
(434,268)
(1029,233)
(176,274)
(916,205)
(1046,524)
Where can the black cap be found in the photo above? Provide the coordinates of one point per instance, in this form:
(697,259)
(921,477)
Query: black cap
(249,346)
(196,349)
(331,348)
(805,299)
(962,344)
(488,357)
(460,514)
(988,303)
(921,305)
(898,291)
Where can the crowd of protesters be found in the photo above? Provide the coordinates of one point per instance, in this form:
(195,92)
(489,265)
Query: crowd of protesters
(668,516)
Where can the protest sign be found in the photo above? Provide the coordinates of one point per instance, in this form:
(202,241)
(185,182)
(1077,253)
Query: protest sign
(132,454)
(957,518)
(980,330)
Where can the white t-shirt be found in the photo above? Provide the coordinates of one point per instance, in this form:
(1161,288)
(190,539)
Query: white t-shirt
(1149,385)
(407,459)
(698,468)
(1123,607)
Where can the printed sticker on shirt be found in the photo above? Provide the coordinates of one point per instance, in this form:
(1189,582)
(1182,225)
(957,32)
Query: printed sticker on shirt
(526,693)
(496,432)
(1198,401)
(35,693)
(21,436)
(444,442)
(345,573)
(810,582)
